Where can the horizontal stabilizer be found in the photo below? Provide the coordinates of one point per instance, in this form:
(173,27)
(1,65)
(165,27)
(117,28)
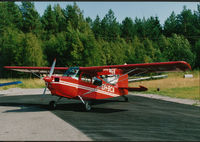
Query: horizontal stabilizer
(140,88)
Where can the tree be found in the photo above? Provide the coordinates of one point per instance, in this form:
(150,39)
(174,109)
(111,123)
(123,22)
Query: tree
(31,18)
(73,15)
(49,21)
(91,53)
(60,18)
(14,15)
(89,21)
(32,51)
(56,47)
(129,53)
(139,28)
(186,22)
(96,27)
(3,16)
(171,25)
(152,28)
(127,29)
(110,28)
(196,53)
(11,47)
(140,55)
(149,51)
(163,43)
(179,49)
(10,15)
(75,46)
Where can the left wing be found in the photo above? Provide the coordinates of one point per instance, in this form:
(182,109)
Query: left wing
(40,70)
(143,68)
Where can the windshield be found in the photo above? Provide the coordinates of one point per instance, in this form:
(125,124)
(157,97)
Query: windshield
(72,72)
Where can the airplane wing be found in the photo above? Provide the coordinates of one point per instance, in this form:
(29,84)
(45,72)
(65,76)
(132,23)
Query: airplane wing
(40,70)
(132,69)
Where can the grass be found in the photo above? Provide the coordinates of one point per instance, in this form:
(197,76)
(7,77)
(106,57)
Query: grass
(174,86)
(26,83)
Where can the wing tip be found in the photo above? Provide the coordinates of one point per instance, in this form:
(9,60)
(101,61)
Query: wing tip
(187,65)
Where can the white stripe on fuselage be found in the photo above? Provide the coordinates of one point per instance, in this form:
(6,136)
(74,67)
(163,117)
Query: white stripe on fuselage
(85,88)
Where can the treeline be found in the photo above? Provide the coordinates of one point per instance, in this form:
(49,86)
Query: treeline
(28,39)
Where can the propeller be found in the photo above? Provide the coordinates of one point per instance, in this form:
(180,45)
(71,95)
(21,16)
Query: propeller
(52,68)
(48,78)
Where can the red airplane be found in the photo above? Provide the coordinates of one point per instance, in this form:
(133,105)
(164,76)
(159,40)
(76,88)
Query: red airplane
(97,82)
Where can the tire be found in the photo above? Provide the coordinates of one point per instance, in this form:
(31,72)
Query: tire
(52,105)
(87,106)
(125,98)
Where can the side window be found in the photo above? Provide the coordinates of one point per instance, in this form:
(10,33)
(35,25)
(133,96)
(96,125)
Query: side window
(86,78)
(97,81)
(111,79)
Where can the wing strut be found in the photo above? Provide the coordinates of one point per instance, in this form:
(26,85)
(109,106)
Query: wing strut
(35,74)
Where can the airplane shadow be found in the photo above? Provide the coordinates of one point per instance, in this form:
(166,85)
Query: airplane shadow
(79,107)
(33,103)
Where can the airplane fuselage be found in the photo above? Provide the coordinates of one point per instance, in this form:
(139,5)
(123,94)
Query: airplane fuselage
(71,88)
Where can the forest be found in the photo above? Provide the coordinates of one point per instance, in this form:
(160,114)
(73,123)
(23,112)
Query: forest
(28,39)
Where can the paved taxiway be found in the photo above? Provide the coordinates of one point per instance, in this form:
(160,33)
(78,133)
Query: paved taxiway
(26,117)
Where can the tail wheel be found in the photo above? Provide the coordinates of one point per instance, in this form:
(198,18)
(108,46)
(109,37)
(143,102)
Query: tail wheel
(52,105)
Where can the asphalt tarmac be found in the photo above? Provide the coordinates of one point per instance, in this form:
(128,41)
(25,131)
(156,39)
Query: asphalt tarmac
(140,119)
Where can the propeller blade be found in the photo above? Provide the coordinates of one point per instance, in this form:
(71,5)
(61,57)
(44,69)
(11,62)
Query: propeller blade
(43,95)
(50,74)
(52,67)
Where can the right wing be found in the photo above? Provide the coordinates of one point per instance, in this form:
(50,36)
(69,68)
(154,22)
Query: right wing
(40,70)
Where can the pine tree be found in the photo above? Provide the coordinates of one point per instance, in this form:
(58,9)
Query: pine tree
(96,27)
(31,18)
(127,29)
(171,25)
(49,21)
(110,28)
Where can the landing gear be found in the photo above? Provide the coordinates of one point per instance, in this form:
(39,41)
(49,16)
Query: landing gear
(125,98)
(88,105)
(52,104)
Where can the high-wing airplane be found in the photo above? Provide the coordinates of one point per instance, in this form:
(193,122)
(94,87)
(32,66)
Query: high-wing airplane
(97,82)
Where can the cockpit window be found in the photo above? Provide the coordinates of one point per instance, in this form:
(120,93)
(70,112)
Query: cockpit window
(97,81)
(72,72)
(111,79)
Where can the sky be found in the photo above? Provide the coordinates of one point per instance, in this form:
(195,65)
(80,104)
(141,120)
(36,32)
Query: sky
(125,9)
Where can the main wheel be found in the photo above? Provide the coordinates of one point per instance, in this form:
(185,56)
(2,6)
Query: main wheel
(52,105)
(125,98)
(87,106)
